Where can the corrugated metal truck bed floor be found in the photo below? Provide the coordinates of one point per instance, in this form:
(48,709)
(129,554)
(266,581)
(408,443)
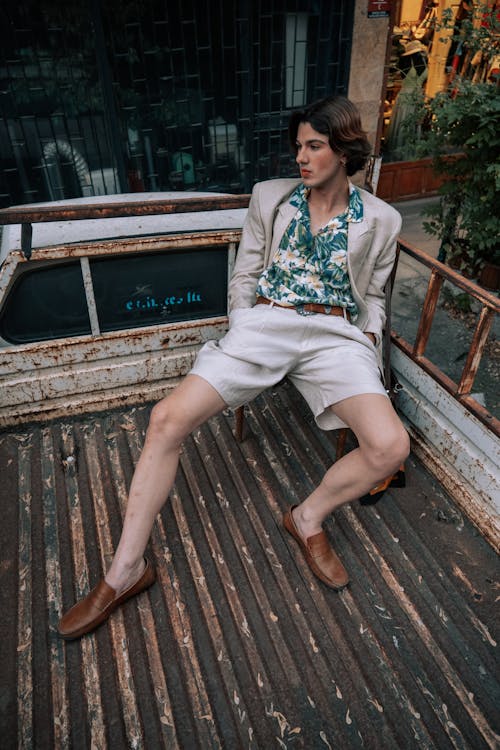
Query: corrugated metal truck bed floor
(237,645)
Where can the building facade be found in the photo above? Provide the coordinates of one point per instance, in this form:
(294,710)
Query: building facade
(147,95)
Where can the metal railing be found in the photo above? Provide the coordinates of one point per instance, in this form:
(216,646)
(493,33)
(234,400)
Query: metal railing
(490,306)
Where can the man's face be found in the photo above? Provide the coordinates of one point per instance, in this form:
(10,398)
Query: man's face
(320,166)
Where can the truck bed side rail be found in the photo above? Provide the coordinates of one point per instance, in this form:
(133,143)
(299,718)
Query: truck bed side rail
(490,306)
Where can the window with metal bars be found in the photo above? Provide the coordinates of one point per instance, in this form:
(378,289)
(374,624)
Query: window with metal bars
(146,95)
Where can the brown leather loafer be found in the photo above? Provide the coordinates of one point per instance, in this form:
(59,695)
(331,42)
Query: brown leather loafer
(97,606)
(319,555)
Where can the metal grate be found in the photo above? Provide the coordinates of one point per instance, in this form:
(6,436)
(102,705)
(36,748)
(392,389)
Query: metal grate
(111,97)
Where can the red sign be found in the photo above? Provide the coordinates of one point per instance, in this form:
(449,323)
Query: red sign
(379,8)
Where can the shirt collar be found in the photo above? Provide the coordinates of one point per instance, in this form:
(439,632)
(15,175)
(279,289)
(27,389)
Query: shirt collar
(355,207)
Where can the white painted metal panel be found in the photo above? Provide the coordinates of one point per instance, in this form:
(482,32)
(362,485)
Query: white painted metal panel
(461,451)
(122,367)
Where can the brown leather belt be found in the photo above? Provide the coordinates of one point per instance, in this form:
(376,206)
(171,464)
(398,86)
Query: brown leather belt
(308,308)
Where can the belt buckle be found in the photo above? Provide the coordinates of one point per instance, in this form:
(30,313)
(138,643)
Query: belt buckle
(300,310)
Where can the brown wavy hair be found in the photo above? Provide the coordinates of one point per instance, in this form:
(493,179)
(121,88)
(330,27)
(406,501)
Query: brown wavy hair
(339,119)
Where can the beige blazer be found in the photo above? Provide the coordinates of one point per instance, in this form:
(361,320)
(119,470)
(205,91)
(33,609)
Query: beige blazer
(371,249)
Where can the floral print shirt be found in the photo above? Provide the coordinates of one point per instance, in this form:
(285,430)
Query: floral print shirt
(313,268)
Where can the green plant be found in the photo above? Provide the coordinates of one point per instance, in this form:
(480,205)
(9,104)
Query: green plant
(465,122)
(467,217)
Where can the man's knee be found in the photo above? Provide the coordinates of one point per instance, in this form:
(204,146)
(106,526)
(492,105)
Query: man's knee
(166,421)
(401,447)
(390,452)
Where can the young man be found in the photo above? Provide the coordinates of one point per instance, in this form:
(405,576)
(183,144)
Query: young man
(306,301)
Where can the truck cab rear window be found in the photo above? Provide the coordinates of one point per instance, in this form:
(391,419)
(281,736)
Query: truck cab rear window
(46,303)
(169,287)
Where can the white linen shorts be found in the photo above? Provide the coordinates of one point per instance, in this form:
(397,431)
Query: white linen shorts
(327,358)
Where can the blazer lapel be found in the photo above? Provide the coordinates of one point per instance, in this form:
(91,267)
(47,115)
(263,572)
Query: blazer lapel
(358,243)
(284,214)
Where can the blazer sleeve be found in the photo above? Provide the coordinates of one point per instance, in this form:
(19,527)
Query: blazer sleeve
(250,257)
(375,293)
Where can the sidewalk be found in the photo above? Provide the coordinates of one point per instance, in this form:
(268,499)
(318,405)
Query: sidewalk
(412,229)
(450,334)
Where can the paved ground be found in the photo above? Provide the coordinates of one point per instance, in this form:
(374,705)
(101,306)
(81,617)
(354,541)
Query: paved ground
(413,230)
(450,336)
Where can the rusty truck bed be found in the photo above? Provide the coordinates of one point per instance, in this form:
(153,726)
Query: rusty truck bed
(237,645)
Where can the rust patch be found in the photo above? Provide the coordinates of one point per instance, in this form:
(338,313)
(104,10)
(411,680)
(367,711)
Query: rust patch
(24,215)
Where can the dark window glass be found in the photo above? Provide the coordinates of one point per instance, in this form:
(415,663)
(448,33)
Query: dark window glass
(143,290)
(46,303)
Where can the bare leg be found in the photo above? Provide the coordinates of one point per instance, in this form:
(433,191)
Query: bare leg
(172,419)
(383,446)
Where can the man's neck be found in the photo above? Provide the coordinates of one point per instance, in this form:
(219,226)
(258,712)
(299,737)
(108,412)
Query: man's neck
(330,200)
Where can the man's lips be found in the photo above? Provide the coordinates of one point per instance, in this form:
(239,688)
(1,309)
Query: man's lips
(305,172)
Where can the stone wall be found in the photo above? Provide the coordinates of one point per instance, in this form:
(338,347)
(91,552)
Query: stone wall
(366,80)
